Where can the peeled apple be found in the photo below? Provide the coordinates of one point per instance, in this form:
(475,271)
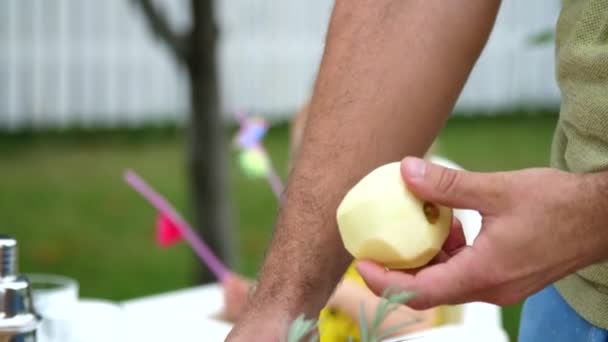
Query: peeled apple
(379,219)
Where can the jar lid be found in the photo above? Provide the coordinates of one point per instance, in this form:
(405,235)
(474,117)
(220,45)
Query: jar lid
(17,312)
(8,256)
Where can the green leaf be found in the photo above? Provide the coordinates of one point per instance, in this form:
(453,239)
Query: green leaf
(401,298)
(380,315)
(363,323)
(389,303)
(393,329)
(299,328)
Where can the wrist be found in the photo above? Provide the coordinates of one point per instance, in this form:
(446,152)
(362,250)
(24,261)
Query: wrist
(295,277)
(271,299)
(592,198)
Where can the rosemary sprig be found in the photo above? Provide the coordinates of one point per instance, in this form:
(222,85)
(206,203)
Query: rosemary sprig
(301,327)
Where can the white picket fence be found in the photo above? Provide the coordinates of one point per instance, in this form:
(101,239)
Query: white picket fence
(93,63)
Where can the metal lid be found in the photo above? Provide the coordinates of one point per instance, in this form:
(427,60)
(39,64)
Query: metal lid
(8,257)
(16,310)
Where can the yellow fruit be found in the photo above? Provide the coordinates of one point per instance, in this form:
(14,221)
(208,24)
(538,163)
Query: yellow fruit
(336,326)
(381,220)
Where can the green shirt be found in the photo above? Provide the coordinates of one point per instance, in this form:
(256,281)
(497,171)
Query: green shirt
(581,138)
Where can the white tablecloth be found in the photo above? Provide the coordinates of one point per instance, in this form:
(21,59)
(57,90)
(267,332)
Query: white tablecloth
(184,315)
(189,314)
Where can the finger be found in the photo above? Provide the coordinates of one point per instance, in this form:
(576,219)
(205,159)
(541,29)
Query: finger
(456,239)
(441,256)
(453,188)
(452,282)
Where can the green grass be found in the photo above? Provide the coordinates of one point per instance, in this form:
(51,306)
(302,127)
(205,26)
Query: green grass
(62,195)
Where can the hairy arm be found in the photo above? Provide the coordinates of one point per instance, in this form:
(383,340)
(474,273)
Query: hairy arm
(390,75)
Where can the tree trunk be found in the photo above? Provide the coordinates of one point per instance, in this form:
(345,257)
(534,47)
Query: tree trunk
(207,149)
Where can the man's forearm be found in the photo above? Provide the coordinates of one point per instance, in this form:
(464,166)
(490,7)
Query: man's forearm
(390,75)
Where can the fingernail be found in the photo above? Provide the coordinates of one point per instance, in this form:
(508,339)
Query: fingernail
(415,168)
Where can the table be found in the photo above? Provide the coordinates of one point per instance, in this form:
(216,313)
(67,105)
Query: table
(183,315)
(190,314)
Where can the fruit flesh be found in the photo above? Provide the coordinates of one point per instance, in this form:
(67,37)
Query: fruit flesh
(379,219)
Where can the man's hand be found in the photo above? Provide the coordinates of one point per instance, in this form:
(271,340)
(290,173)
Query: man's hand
(539,225)
(389,77)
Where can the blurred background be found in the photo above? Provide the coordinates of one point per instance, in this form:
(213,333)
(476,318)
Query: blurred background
(89,88)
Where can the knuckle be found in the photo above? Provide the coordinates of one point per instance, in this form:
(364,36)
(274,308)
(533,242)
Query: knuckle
(502,185)
(507,299)
(493,279)
(447,180)
(420,303)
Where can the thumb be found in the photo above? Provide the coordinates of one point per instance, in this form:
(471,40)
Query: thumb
(453,188)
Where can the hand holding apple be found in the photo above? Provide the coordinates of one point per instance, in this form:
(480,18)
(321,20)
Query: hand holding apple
(539,225)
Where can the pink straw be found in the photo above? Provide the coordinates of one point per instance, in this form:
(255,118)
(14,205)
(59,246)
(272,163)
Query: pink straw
(275,181)
(163,206)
